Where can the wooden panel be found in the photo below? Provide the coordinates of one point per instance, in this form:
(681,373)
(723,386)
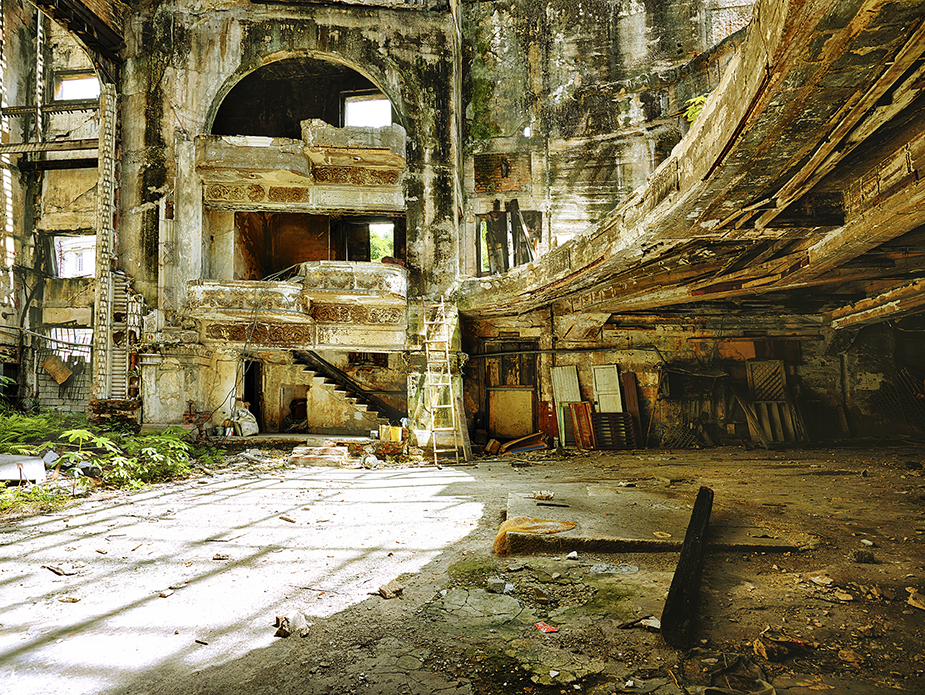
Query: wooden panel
(613,430)
(766,380)
(631,397)
(607,396)
(581,423)
(510,413)
(549,423)
(565,390)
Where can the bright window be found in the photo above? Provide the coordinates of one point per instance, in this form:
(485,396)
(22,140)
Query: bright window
(75,255)
(74,87)
(369,110)
(381,240)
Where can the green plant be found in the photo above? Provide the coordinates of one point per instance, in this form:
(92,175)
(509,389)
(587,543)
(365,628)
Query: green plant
(34,499)
(694,107)
(155,456)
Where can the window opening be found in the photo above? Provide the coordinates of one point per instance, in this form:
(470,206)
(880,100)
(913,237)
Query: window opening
(72,344)
(367,110)
(75,255)
(271,242)
(76,87)
(507,238)
(381,241)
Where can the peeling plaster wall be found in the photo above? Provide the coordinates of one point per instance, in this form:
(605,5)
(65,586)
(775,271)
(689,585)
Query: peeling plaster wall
(592,90)
(182,60)
(17,87)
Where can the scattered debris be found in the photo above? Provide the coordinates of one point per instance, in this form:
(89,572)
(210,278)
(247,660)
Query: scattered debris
(66,571)
(166,593)
(221,556)
(69,599)
(289,519)
(391,590)
(916,599)
(495,585)
(199,641)
(661,534)
(776,646)
(543,627)
(547,495)
(572,555)
(293,623)
(862,556)
(610,568)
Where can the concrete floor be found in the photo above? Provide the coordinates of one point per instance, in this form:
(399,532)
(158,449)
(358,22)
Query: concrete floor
(176,588)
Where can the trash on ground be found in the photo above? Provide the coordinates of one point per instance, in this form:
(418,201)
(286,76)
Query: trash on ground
(62,571)
(69,599)
(610,568)
(391,590)
(543,627)
(543,495)
(289,519)
(221,556)
(916,599)
(293,623)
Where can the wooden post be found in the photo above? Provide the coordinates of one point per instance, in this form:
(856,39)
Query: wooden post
(680,610)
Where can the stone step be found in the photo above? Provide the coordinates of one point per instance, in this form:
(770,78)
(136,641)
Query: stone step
(319,455)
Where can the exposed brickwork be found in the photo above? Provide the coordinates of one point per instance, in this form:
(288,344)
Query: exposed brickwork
(495,173)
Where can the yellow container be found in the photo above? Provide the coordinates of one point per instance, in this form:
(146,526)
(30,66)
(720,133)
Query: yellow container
(388,433)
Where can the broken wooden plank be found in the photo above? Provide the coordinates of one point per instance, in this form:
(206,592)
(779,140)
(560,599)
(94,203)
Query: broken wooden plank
(680,609)
(582,426)
(529,439)
(753,425)
(631,396)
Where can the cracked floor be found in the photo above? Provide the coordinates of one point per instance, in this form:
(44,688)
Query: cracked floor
(176,588)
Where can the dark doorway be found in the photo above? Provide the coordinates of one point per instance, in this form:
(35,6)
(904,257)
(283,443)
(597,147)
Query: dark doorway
(253,390)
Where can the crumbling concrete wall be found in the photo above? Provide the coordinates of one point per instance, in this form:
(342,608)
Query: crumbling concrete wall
(177,75)
(183,59)
(583,100)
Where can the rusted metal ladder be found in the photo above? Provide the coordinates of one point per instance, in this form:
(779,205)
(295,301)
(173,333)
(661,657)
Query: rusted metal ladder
(441,397)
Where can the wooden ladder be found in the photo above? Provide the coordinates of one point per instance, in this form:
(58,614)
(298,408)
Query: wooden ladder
(441,398)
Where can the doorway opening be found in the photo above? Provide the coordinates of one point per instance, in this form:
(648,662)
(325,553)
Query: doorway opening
(253,390)
(268,243)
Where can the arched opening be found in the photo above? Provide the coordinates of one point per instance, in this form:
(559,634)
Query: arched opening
(273,100)
(333,108)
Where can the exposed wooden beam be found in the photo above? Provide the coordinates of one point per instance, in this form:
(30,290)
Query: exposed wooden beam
(49,146)
(57,164)
(895,302)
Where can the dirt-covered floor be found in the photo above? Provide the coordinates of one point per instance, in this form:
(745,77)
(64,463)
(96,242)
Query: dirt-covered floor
(176,589)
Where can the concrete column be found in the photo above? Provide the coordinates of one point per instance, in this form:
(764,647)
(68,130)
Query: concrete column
(105,232)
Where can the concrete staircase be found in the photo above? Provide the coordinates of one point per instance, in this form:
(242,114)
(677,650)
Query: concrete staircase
(352,399)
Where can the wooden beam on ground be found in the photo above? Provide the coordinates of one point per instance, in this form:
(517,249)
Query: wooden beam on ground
(680,612)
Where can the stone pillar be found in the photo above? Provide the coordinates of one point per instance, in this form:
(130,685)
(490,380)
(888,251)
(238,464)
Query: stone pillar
(105,246)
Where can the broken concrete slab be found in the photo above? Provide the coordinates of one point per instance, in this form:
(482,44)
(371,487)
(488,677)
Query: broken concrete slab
(630,519)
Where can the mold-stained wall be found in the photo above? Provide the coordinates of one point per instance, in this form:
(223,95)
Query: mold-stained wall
(588,94)
(183,60)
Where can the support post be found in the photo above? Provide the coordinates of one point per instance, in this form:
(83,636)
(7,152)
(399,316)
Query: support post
(680,610)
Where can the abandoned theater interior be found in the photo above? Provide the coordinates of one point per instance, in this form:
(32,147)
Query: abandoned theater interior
(569,267)
(287,205)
